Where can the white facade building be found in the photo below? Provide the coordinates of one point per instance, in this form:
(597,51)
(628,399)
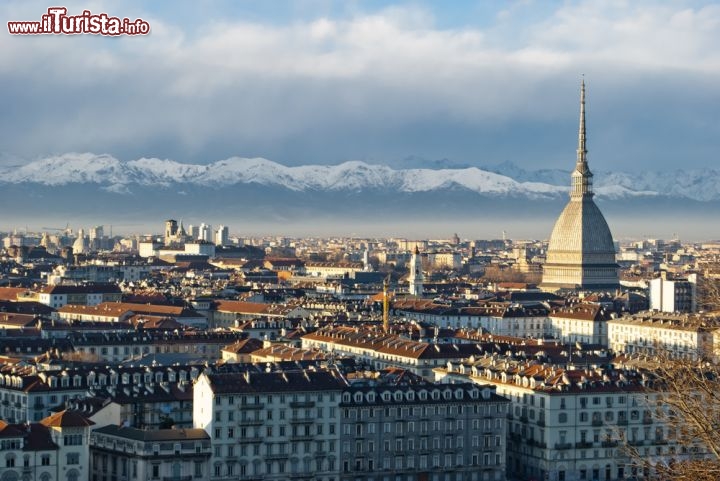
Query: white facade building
(679,335)
(673,295)
(271,425)
(415,279)
(222,235)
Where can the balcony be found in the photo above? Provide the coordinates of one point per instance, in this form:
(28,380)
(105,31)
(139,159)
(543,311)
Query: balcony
(523,419)
(302,420)
(636,442)
(251,422)
(251,407)
(302,437)
(583,445)
(177,478)
(597,422)
(250,440)
(302,404)
(510,416)
(276,457)
(622,422)
(647,420)
(541,422)
(609,444)
(563,445)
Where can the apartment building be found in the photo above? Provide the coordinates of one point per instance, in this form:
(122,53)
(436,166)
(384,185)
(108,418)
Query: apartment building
(403,427)
(572,423)
(674,334)
(124,453)
(271,425)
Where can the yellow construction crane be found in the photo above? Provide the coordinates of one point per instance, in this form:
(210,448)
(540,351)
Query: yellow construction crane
(386,305)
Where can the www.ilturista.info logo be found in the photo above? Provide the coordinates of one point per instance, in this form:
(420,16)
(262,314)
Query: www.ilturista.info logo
(58,22)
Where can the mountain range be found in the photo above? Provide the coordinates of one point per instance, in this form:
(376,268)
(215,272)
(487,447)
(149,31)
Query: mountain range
(503,179)
(93,185)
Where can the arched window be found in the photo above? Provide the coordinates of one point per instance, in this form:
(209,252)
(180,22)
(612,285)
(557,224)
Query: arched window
(9,476)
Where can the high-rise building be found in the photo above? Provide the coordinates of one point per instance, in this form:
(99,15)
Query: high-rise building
(581,253)
(205,232)
(222,235)
(193,231)
(673,294)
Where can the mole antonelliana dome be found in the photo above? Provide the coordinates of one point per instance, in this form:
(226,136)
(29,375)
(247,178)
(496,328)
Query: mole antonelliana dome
(581,253)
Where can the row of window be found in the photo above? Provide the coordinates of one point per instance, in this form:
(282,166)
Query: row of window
(45,460)
(423,461)
(269,398)
(448,442)
(256,415)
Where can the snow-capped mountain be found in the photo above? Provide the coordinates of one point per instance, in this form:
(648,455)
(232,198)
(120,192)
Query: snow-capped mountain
(696,184)
(352,196)
(118,176)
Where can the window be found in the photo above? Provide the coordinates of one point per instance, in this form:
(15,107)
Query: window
(155,471)
(73,458)
(45,460)
(562,417)
(72,440)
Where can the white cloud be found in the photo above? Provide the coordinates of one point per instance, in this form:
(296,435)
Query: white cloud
(255,84)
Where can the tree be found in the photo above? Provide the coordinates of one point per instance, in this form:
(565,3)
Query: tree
(685,407)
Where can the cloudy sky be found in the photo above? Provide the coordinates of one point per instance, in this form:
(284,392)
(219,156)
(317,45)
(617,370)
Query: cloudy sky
(474,81)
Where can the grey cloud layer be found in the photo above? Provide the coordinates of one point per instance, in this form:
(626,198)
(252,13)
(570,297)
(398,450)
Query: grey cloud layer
(376,86)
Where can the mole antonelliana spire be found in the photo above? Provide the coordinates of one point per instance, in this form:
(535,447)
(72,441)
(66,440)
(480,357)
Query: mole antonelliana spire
(581,252)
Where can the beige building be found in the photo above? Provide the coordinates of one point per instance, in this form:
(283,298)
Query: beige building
(581,253)
(679,335)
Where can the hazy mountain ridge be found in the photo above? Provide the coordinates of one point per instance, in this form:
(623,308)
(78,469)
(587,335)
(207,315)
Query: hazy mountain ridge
(695,184)
(506,179)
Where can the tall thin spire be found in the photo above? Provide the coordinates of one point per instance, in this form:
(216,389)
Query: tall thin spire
(581,177)
(582,147)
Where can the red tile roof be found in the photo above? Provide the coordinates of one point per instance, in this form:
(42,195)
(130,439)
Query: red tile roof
(66,419)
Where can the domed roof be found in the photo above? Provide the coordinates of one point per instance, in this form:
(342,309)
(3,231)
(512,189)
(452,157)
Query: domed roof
(581,252)
(582,230)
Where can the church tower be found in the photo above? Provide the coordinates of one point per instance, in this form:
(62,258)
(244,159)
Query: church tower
(581,252)
(415,279)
